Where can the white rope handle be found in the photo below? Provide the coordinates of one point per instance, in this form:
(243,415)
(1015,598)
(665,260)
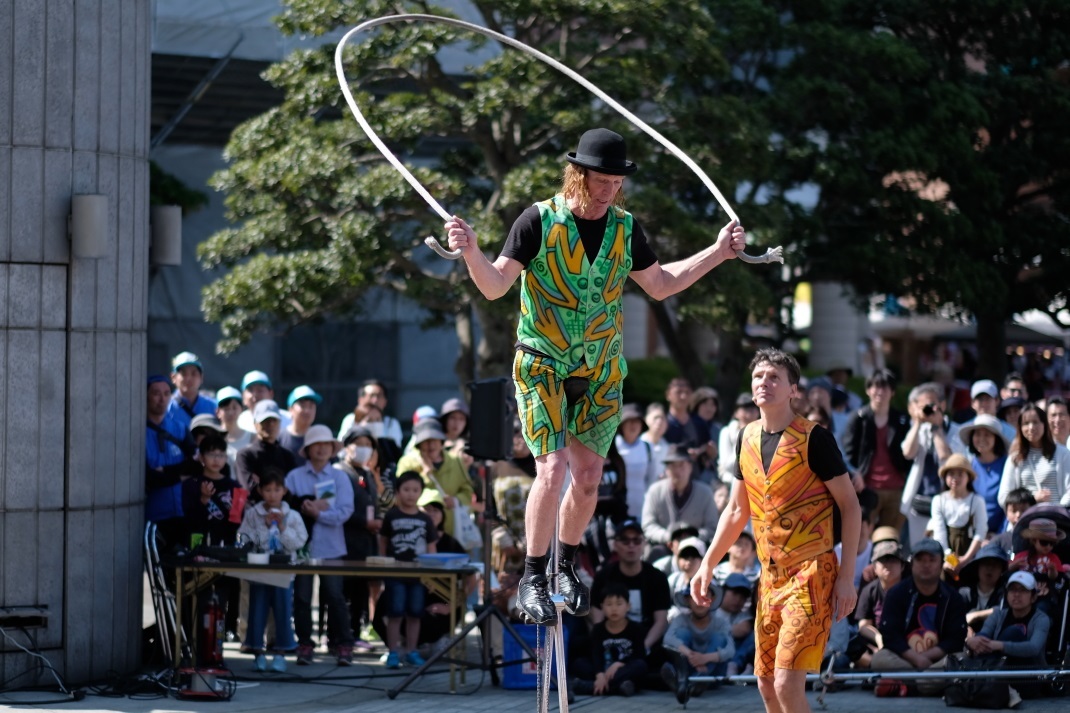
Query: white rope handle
(771,255)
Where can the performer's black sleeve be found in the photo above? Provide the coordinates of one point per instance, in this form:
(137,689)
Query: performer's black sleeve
(525,237)
(642,254)
(824,455)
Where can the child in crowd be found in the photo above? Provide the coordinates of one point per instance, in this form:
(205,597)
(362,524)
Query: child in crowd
(982,584)
(742,559)
(689,554)
(888,564)
(959,518)
(1018,501)
(207,498)
(680,532)
(1039,557)
(864,554)
(696,642)
(616,663)
(256,527)
(325,494)
(737,611)
(406,533)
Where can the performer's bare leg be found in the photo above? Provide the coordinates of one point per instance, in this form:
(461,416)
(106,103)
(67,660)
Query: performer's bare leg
(784,692)
(579,502)
(576,510)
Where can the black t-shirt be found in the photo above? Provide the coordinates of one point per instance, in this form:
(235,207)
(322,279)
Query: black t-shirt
(822,454)
(525,239)
(213,519)
(870,602)
(407,535)
(648,592)
(608,649)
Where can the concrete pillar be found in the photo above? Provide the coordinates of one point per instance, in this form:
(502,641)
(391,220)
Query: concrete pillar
(74,119)
(836,327)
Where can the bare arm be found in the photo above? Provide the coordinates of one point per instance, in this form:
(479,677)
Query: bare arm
(661,281)
(733,520)
(844,595)
(492,278)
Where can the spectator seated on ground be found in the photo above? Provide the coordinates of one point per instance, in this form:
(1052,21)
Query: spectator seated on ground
(681,532)
(689,554)
(737,612)
(1018,631)
(648,588)
(922,622)
(888,564)
(615,660)
(742,559)
(697,642)
(674,499)
(981,585)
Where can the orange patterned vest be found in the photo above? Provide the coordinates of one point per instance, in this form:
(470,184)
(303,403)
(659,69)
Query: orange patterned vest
(790,507)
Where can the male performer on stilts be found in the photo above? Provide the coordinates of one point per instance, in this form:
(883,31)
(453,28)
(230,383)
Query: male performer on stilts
(789,475)
(574,252)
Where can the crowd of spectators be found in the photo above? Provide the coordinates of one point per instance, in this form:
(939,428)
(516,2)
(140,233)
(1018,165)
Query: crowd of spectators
(940,569)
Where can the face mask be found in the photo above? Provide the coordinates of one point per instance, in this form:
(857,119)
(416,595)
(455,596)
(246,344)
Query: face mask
(361,454)
(376,428)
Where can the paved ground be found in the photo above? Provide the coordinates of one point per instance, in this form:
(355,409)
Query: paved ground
(362,688)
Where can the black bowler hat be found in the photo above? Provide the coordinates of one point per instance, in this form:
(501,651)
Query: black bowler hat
(604,151)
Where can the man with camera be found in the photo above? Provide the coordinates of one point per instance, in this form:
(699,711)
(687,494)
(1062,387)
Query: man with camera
(931,440)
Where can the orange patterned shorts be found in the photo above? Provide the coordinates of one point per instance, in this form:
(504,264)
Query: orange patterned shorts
(794,615)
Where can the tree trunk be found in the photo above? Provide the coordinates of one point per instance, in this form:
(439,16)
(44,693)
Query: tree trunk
(687,360)
(731,363)
(991,346)
(465,364)
(497,337)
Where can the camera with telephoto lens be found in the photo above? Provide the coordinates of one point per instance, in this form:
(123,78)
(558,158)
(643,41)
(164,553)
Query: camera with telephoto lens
(928,409)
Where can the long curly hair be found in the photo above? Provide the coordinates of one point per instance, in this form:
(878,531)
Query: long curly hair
(574,185)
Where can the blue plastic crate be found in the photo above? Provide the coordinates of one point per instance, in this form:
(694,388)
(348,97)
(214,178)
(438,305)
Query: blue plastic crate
(524,676)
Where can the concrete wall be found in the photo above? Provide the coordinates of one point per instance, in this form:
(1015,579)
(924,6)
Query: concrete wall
(74,106)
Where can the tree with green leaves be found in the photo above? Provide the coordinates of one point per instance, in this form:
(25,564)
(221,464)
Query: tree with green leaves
(320,219)
(937,135)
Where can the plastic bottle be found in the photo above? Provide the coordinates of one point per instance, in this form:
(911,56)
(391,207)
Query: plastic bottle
(274,543)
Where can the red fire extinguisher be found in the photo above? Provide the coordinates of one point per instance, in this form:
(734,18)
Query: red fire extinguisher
(212,633)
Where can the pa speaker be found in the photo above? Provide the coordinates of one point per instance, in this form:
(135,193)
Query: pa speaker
(490,429)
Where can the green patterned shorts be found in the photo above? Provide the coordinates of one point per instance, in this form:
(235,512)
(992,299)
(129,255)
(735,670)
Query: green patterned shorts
(550,416)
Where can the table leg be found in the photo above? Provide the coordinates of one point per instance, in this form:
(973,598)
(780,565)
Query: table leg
(178,621)
(453,627)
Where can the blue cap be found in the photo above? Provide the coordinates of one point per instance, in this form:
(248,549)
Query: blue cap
(738,581)
(226,394)
(186,359)
(302,392)
(255,377)
(157,379)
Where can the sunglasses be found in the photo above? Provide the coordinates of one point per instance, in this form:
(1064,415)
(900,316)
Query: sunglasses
(1044,543)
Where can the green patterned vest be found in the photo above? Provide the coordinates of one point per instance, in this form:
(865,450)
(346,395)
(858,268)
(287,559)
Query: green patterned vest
(571,310)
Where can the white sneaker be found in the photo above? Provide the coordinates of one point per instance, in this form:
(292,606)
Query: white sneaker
(278,663)
(261,662)
(733,668)
(1015,698)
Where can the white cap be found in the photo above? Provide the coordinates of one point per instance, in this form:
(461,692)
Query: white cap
(984,386)
(693,542)
(1025,579)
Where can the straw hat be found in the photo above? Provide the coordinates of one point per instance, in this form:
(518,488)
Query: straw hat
(957,461)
